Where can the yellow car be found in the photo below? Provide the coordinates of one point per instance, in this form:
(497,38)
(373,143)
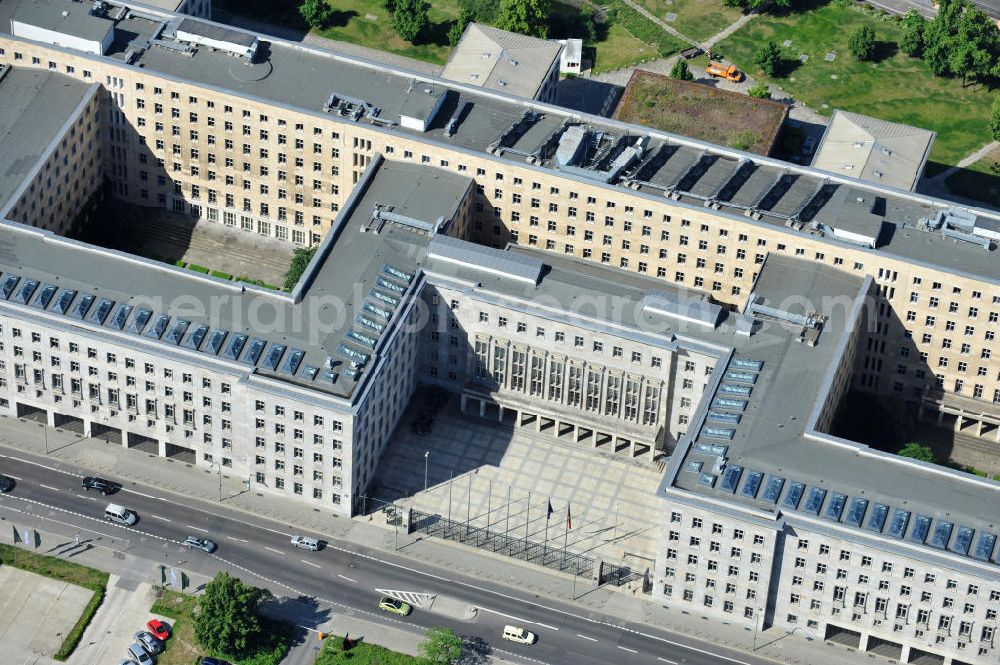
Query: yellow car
(393,606)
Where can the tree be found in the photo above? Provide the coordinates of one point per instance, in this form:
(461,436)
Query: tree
(681,71)
(760,91)
(862,42)
(976,50)
(410,18)
(917,452)
(456,31)
(228,619)
(940,35)
(300,259)
(995,118)
(528,17)
(441,646)
(480,11)
(316,13)
(768,58)
(912,43)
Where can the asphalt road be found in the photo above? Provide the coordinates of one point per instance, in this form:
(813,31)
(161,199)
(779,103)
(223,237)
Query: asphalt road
(344,575)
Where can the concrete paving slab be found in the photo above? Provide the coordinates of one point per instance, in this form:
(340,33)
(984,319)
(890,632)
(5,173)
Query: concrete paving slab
(36,612)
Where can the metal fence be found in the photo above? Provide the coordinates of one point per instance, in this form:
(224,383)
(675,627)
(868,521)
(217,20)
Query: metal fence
(541,554)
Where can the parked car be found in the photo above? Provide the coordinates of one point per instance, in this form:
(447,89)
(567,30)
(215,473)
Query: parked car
(393,606)
(152,645)
(160,630)
(138,654)
(517,634)
(305,542)
(101,485)
(208,660)
(6,484)
(203,544)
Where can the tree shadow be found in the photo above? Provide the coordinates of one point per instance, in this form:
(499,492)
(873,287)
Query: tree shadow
(436,34)
(799,7)
(340,17)
(787,67)
(475,651)
(883,51)
(980,186)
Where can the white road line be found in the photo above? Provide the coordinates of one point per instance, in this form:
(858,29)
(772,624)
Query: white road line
(310,563)
(196,528)
(48,487)
(162,519)
(627,649)
(239,540)
(148,496)
(664,660)
(271,549)
(691,648)
(592,639)
(14,477)
(520,619)
(345,577)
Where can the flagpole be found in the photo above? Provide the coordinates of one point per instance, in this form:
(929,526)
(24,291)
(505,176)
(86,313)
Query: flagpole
(527,520)
(506,526)
(545,545)
(566,535)
(468,508)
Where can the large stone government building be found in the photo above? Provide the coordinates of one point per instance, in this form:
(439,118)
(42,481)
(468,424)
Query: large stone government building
(634,291)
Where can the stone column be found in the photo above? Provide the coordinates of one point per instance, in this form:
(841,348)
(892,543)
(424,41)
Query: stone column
(163,448)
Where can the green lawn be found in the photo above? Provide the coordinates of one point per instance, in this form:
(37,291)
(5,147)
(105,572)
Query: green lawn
(362,654)
(697,19)
(896,88)
(620,49)
(980,181)
(64,571)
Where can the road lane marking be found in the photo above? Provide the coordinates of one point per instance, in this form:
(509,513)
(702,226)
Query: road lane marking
(522,620)
(310,563)
(627,649)
(48,487)
(691,648)
(196,528)
(162,519)
(345,577)
(271,549)
(592,639)
(664,660)
(14,477)
(148,496)
(239,540)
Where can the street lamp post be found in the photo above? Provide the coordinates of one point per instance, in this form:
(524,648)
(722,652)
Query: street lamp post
(220,478)
(427,454)
(756,627)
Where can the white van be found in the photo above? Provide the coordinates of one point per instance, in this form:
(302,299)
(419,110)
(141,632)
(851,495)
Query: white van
(515,634)
(120,515)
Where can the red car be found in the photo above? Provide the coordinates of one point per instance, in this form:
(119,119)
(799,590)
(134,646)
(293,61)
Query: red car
(159,629)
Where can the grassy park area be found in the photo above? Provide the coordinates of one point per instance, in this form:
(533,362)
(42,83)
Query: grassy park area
(363,653)
(894,87)
(697,19)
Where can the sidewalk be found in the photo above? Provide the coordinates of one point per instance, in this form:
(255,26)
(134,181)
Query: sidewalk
(110,459)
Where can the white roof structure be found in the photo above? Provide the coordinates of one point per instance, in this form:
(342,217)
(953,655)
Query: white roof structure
(879,151)
(501,60)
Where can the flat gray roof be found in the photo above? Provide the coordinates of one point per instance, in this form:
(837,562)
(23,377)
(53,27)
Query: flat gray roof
(34,106)
(302,77)
(355,265)
(73,18)
(769,436)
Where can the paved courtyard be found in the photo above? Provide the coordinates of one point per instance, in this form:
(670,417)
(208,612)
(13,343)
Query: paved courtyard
(483,471)
(35,613)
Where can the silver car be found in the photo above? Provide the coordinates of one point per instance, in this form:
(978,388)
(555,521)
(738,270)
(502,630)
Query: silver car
(138,654)
(152,645)
(203,544)
(306,543)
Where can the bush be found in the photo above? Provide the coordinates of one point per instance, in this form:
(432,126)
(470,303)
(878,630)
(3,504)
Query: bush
(760,91)
(73,636)
(221,275)
(768,58)
(180,264)
(917,452)
(316,13)
(197,268)
(300,260)
(681,71)
(862,42)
